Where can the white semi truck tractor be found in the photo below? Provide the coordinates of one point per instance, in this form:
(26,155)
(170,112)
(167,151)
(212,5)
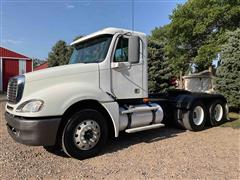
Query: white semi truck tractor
(102,91)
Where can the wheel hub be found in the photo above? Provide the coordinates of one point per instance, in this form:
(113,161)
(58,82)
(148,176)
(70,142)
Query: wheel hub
(218,112)
(198,115)
(87,134)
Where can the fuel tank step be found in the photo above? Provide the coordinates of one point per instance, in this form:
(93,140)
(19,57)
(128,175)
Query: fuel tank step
(143,128)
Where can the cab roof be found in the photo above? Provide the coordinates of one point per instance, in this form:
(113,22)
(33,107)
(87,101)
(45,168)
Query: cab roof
(109,30)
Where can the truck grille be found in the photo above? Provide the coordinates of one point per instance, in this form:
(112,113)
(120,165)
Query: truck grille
(12,90)
(15,89)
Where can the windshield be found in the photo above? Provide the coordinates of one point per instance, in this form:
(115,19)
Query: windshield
(91,51)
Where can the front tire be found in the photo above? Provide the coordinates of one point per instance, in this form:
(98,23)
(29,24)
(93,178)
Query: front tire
(53,148)
(85,134)
(195,118)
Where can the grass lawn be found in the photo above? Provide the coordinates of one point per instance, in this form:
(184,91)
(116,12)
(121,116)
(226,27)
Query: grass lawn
(234,121)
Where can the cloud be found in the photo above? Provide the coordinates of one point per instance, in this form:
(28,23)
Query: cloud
(70,6)
(11,41)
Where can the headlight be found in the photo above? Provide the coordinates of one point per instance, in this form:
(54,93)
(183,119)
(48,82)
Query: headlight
(30,106)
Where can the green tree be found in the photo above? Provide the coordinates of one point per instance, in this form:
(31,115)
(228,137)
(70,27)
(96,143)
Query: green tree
(60,54)
(37,62)
(175,56)
(161,34)
(228,73)
(159,71)
(197,30)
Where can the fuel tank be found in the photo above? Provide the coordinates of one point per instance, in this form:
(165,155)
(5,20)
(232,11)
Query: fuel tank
(133,116)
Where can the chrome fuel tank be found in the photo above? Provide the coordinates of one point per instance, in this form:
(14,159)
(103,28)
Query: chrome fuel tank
(140,115)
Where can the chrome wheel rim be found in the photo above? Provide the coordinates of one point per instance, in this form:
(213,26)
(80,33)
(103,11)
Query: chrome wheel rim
(198,115)
(218,112)
(86,134)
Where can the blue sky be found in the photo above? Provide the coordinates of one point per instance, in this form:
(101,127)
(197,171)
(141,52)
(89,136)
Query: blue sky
(33,27)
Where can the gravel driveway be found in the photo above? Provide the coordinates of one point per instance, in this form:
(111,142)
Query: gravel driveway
(157,154)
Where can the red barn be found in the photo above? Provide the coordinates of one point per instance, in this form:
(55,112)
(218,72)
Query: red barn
(12,64)
(41,66)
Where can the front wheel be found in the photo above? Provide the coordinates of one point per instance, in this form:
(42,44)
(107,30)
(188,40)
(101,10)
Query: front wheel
(85,134)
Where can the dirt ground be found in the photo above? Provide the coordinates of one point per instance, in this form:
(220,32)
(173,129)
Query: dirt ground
(156,154)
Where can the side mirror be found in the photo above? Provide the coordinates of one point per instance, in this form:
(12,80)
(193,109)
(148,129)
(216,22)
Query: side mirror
(133,49)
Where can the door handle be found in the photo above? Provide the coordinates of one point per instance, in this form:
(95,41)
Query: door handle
(115,65)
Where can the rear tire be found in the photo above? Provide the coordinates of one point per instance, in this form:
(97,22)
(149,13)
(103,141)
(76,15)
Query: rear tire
(217,113)
(195,118)
(85,134)
(178,122)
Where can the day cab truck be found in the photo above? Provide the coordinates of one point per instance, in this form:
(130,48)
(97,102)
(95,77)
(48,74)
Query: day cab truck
(102,91)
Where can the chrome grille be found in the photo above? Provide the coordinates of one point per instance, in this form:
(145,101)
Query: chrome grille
(12,90)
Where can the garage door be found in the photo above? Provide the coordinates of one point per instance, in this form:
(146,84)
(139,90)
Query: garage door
(10,69)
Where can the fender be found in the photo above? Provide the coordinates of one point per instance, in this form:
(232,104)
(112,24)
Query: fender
(109,109)
(113,110)
(184,101)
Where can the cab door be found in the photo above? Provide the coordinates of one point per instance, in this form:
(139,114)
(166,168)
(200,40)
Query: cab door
(127,79)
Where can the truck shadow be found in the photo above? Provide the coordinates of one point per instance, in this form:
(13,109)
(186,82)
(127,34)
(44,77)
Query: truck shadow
(126,140)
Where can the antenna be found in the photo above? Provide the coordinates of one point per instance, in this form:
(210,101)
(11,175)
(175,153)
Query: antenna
(132,15)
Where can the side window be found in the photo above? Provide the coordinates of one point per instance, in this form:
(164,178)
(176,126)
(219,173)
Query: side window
(121,52)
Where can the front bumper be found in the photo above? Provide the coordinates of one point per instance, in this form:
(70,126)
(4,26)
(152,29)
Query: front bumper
(35,132)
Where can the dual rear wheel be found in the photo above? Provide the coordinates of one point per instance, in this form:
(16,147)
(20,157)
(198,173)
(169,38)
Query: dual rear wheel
(218,113)
(196,117)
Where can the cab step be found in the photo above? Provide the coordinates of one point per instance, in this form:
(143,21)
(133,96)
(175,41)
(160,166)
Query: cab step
(143,128)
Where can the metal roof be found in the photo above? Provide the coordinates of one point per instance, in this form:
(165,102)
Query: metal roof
(41,66)
(6,53)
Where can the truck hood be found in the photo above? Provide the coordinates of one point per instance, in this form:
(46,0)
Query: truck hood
(60,71)
(60,87)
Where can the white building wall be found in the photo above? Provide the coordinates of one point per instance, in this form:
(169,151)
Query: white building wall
(22,66)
